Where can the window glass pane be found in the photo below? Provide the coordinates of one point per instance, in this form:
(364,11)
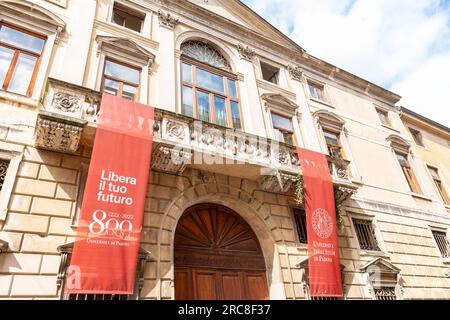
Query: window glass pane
(235,114)
(383,118)
(434,173)
(203,106)
(221,111)
(288,138)
(315,91)
(187,73)
(121,72)
(281,122)
(402,159)
(331,138)
(6,56)
(22,74)
(232,88)
(188,102)
(133,23)
(129,92)
(210,81)
(21,40)
(278,135)
(118,18)
(111,87)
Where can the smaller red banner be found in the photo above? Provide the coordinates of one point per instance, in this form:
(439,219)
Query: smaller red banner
(323,246)
(104,257)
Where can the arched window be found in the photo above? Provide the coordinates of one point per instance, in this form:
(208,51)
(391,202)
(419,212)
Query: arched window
(209,89)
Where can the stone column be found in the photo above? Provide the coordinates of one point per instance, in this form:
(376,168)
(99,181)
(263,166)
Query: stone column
(166,77)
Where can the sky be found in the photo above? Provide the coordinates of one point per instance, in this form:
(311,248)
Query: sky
(401,45)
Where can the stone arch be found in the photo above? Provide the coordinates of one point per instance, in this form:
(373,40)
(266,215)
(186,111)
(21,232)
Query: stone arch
(249,208)
(211,40)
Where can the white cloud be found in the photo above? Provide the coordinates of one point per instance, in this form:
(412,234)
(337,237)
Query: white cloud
(402,45)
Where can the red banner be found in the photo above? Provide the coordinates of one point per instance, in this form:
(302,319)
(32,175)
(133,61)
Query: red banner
(323,246)
(104,257)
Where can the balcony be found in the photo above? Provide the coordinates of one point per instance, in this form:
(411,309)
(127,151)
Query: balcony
(69,119)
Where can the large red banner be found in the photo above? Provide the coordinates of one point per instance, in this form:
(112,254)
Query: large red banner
(323,246)
(104,257)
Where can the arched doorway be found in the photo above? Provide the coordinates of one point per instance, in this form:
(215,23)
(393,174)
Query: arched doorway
(217,257)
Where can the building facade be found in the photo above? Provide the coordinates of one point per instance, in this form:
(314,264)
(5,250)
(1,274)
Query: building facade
(233,97)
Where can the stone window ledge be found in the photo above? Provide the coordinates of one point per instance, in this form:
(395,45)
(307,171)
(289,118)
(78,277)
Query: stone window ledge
(390,128)
(380,254)
(446,261)
(18,98)
(322,102)
(420,196)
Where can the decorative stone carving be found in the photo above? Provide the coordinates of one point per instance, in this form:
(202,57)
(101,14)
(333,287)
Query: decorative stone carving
(3,246)
(3,169)
(246,53)
(167,20)
(57,136)
(295,72)
(175,130)
(171,160)
(66,102)
(342,194)
(278,182)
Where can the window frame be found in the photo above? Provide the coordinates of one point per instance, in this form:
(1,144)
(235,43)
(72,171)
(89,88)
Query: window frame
(385,113)
(13,154)
(132,12)
(445,232)
(382,253)
(194,65)
(294,211)
(120,81)
(311,83)
(439,184)
(416,134)
(19,51)
(408,172)
(294,140)
(277,75)
(373,234)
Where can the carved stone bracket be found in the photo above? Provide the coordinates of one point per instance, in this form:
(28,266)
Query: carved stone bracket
(3,246)
(295,72)
(57,133)
(278,182)
(246,53)
(170,159)
(343,193)
(167,20)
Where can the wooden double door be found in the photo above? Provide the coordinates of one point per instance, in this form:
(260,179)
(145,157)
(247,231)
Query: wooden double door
(217,257)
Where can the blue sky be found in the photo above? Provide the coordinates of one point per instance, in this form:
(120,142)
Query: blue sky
(402,45)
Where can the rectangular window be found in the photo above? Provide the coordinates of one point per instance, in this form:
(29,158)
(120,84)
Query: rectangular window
(127,18)
(210,96)
(408,172)
(20,53)
(4,164)
(417,136)
(283,129)
(438,183)
(386,293)
(442,243)
(270,73)
(121,80)
(316,91)
(384,117)
(300,223)
(366,235)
